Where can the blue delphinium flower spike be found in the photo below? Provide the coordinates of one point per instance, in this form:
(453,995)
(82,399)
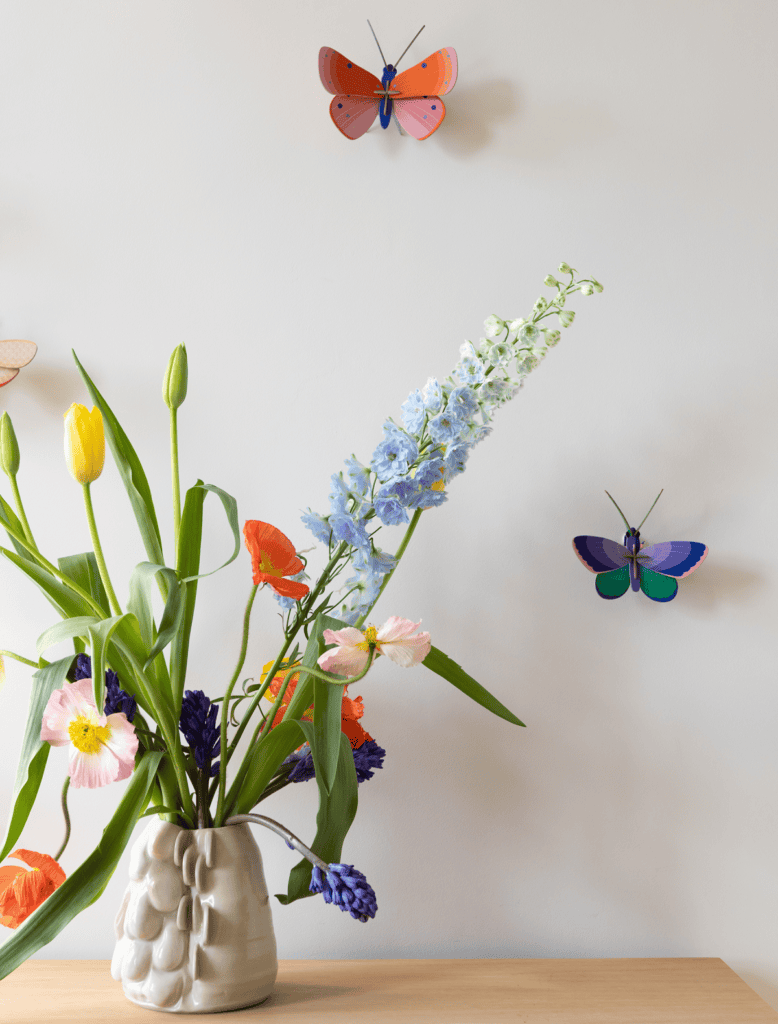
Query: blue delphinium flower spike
(116,699)
(347,888)
(200,729)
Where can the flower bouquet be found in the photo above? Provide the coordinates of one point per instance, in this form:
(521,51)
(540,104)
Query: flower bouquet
(123,709)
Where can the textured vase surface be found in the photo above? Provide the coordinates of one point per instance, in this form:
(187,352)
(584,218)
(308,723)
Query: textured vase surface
(194,932)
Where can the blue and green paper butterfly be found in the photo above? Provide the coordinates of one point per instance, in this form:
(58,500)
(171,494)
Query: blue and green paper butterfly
(654,568)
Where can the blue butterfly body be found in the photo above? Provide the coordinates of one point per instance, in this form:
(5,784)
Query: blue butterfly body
(652,568)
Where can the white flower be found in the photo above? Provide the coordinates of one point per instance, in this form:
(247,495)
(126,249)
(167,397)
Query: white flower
(494,326)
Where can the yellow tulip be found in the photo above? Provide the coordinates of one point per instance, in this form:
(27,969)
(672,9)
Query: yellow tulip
(84,443)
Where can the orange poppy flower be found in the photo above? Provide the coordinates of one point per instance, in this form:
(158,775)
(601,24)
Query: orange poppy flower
(272,558)
(22,891)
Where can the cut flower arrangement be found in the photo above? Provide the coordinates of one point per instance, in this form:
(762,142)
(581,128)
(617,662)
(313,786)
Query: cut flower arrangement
(120,703)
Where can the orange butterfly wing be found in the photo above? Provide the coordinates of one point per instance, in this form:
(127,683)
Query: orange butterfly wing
(341,76)
(434,76)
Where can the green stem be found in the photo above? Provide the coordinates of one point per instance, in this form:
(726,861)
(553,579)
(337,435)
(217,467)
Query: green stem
(176,477)
(400,552)
(90,516)
(18,657)
(226,705)
(21,513)
(64,802)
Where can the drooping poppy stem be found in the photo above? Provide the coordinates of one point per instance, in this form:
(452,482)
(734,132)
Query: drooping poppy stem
(64,803)
(226,707)
(102,567)
(18,657)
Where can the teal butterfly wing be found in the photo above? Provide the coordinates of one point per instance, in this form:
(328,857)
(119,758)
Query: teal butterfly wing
(609,560)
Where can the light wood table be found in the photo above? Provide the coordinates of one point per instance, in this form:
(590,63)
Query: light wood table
(661,991)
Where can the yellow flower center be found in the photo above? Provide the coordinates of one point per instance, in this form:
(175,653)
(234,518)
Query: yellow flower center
(266,566)
(371,639)
(86,736)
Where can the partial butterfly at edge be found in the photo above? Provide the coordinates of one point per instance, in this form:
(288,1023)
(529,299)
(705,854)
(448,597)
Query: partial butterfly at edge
(14,354)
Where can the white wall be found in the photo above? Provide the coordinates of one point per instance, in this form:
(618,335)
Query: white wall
(170,173)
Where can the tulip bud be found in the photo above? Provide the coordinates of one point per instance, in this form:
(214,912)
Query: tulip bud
(550,280)
(9,449)
(174,386)
(84,443)
(566,317)
(587,289)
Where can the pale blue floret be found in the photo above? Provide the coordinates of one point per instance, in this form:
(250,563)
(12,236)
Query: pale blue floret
(445,427)
(358,476)
(346,528)
(456,457)
(470,369)
(463,402)
(395,455)
(427,499)
(414,412)
(374,562)
(339,495)
(428,473)
(388,508)
(432,396)
(318,526)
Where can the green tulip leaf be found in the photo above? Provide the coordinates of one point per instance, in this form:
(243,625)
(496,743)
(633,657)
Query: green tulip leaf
(442,665)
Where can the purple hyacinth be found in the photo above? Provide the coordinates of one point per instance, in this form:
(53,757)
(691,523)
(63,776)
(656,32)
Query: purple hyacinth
(200,729)
(368,757)
(116,699)
(347,888)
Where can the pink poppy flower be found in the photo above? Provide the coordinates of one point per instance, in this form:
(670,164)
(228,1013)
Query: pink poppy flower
(102,747)
(393,639)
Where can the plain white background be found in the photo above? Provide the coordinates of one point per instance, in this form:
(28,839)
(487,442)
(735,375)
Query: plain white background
(170,173)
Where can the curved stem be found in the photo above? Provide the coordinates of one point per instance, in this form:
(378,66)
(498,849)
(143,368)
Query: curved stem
(289,838)
(20,512)
(64,802)
(103,568)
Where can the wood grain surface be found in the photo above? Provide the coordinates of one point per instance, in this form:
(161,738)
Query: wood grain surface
(629,991)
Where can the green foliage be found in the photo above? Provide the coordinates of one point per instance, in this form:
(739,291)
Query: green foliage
(263,762)
(443,666)
(88,881)
(34,752)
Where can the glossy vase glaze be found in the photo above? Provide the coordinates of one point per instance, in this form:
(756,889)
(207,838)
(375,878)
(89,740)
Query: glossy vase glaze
(194,932)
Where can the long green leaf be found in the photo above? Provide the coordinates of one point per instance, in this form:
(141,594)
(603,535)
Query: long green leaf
(35,751)
(9,518)
(302,698)
(190,535)
(231,511)
(132,474)
(265,760)
(66,602)
(100,634)
(83,570)
(327,706)
(79,625)
(90,879)
(139,604)
(337,810)
(443,666)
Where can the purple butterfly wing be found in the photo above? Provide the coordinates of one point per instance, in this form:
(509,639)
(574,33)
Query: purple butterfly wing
(673,557)
(599,554)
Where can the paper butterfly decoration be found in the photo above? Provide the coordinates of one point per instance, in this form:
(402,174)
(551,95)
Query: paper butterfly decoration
(653,568)
(13,356)
(412,97)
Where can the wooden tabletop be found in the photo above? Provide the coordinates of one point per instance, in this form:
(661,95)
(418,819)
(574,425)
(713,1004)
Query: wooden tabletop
(661,991)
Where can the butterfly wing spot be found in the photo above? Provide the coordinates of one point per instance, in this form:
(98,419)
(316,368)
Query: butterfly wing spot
(424,65)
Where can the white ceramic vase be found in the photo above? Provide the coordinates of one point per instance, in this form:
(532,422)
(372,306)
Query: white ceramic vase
(194,931)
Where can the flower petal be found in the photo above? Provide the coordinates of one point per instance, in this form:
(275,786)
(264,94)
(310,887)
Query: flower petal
(64,705)
(47,865)
(408,651)
(288,588)
(345,661)
(348,637)
(395,627)
(262,539)
(123,743)
(92,770)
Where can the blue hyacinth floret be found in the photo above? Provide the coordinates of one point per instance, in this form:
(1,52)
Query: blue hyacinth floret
(116,699)
(347,888)
(198,724)
(367,758)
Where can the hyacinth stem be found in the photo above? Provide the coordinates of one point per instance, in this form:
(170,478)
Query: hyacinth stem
(226,707)
(18,657)
(289,838)
(21,513)
(175,475)
(400,552)
(102,567)
(64,802)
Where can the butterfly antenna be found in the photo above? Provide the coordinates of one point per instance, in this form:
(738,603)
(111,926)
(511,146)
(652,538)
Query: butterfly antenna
(410,44)
(621,513)
(651,509)
(377,43)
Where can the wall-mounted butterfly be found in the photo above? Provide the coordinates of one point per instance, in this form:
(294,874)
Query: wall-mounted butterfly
(412,97)
(13,356)
(653,568)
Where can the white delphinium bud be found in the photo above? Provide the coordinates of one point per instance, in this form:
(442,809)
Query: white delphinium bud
(552,337)
(500,352)
(494,326)
(528,334)
(484,347)
(526,361)
(597,285)
(550,281)
(565,268)
(586,289)
(566,317)
(541,351)
(515,326)
(540,305)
